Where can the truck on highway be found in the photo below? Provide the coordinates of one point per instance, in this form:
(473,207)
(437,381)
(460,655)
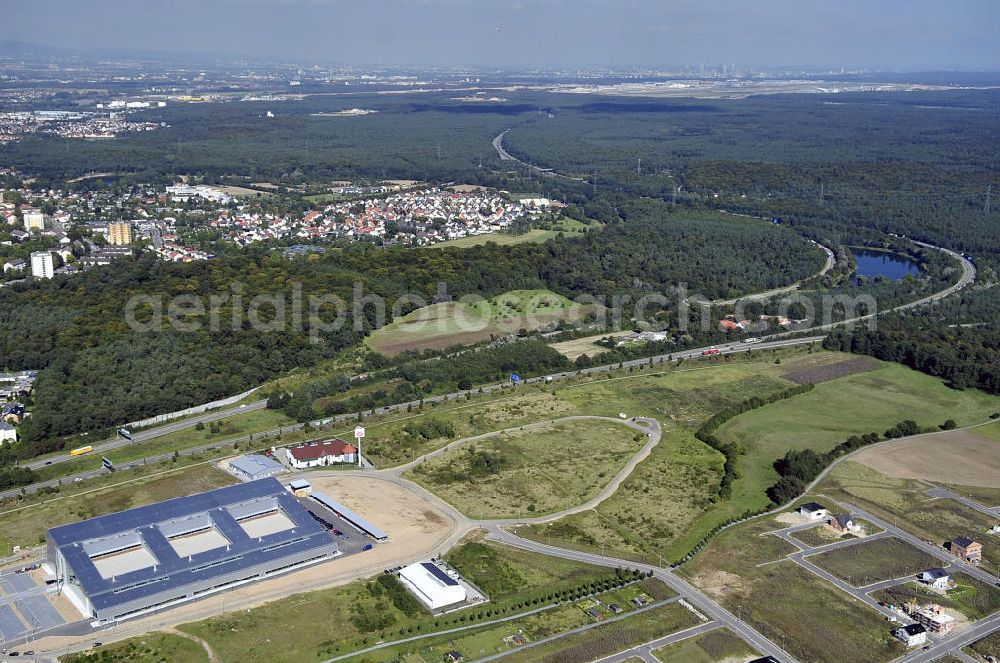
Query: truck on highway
(81,450)
(710,352)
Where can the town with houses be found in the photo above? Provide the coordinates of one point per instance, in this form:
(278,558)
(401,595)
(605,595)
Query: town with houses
(58,232)
(72,124)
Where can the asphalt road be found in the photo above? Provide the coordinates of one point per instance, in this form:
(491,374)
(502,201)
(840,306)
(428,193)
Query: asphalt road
(153,433)
(944,493)
(687,591)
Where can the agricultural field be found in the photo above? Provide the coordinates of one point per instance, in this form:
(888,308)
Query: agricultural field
(150,648)
(805,615)
(358,615)
(718,646)
(970,596)
(562,226)
(530,472)
(24,523)
(862,564)
(576,347)
(904,501)
(607,638)
(956,456)
(657,512)
(440,326)
(814,372)
(877,401)
(992,431)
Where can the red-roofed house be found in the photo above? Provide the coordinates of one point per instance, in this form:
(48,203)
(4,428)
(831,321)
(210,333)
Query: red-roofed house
(320,453)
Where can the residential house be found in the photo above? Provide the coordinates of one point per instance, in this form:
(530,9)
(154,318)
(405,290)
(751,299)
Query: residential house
(813,511)
(12,413)
(7,433)
(912,635)
(19,236)
(321,453)
(967,549)
(640,601)
(454,656)
(595,614)
(15,265)
(936,578)
(845,524)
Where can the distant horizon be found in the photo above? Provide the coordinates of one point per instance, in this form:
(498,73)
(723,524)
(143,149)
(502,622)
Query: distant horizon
(889,36)
(222,58)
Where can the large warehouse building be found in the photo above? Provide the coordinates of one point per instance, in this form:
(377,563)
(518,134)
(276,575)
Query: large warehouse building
(432,586)
(126,564)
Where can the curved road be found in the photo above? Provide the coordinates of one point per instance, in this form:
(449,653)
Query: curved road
(770,341)
(507,156)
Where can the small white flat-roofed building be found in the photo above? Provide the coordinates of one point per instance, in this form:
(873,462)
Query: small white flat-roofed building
(7,433)
(432,585)
(300,488)
(813,511)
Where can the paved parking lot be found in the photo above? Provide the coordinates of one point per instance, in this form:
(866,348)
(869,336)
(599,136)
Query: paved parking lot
(15,583)
(10,625)
(38,612)
(352,539)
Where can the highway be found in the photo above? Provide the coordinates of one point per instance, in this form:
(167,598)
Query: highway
(507,156)
(153,433)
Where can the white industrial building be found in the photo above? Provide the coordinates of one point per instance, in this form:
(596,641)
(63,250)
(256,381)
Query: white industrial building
(432,585)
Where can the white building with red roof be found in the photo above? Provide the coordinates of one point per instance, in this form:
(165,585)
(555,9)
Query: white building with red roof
(321,453)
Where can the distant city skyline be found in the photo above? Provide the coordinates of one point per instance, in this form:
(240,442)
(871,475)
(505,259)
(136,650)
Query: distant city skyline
(889,34)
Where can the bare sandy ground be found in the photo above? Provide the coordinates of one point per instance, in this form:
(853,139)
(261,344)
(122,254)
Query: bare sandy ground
(413,523)
(958,457)
(580,346)
(417,530)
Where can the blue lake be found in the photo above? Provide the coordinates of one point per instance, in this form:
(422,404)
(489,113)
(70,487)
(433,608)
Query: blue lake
(886,265)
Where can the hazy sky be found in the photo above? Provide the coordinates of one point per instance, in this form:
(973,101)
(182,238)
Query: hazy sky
(892,34)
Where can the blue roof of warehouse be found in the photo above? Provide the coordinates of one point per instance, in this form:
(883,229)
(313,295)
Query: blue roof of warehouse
(172,570)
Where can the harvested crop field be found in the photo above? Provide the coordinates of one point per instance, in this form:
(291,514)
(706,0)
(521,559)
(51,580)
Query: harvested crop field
(805,374)
(958,457)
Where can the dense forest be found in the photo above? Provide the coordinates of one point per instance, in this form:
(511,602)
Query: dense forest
(843,170)
(100,373)
(957,339)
